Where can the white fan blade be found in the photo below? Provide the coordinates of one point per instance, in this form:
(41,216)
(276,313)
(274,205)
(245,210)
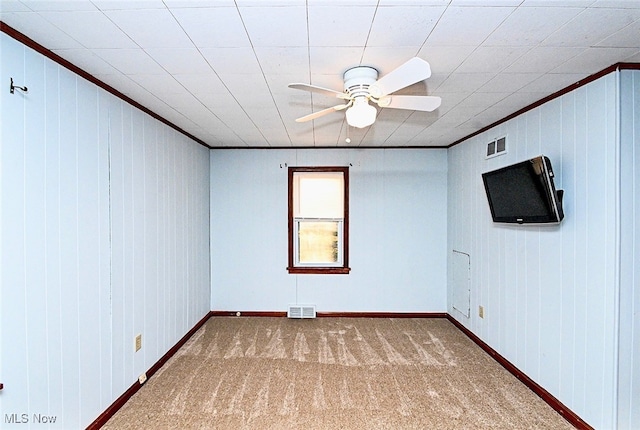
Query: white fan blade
(414,70)
(424,103)
(320,90)
(322,112)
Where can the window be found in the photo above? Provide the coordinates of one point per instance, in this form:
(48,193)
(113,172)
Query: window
(497,147)
(318,220)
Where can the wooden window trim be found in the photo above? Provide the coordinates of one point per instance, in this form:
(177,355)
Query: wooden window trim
(344,269)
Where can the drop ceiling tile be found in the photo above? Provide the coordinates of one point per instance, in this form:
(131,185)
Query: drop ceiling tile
(197,83)
(265,118)
(594,59)
(385,59)
(550,83)
(464,82)
(130,61)
(128,5)
(219,27)
(491,59)
(558,3)
(483,99)
(339,25)
(158,84)
(190,4)
(592,26)
(400,26)
(460,26)
(232,60)
(82,25)
(334,60)
(445,59)
(218,102)
(12,6)
(265,25)
(179,60)
(58,5)
(250,88)
(499,3)
(284,65)
(509,82)
(385,3)
(86,60)
(635,58)
(279,85)
(136,24)
(624,38)
(530,26)
(40,30)
(272,3)
(542,59)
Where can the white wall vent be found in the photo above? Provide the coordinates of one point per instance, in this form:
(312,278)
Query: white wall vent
(497,147)
(301,311)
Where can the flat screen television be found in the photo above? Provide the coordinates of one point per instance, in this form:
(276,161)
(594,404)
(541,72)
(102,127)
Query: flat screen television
(524,193)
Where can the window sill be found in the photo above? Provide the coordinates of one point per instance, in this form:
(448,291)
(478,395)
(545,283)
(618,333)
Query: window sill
(319,270)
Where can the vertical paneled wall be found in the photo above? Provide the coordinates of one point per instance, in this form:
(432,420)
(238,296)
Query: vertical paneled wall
(397,236)
(549,292)
(103,235)
(159,185)
(629,325)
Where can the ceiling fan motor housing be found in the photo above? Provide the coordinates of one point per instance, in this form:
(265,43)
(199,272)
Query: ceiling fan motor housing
(358,79)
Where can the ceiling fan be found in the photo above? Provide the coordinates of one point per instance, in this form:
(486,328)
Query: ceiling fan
(361,85)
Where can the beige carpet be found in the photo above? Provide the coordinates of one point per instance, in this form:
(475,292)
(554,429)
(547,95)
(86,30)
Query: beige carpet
(333,373)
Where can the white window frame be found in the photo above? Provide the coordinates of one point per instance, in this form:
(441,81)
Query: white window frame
(296,243)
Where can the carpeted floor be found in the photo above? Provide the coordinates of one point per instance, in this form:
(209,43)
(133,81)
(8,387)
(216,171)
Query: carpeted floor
(333,373)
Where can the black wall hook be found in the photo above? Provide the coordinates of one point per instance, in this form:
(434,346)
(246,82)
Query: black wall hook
(12,88)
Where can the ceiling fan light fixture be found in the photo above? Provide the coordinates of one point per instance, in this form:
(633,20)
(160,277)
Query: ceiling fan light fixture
(361,114)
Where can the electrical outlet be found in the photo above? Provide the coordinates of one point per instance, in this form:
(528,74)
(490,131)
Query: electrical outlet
(138,342)
(481,311)
(142,378)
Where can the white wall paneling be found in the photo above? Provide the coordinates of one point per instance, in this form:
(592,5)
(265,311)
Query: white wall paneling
(629,322)
(397,232)
(550,292)
(104,233)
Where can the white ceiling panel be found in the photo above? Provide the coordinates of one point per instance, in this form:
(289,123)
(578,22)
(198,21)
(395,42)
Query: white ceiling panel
(43,31)
(213,27)
(623,38)
(81,25)
(542,59)
(201,83)
(338,25)
(220,69)
(265,29)
(464,26)
(491,59)
(445,59)
(135,23)
(530,26)
(241,61)
(59,5)
(510,82)
(594,59)
(179,60)
(128,5)
(397,26)
(592,26)
(130,61)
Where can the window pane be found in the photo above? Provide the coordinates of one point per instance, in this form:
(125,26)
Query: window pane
(319,195)
(318,242)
